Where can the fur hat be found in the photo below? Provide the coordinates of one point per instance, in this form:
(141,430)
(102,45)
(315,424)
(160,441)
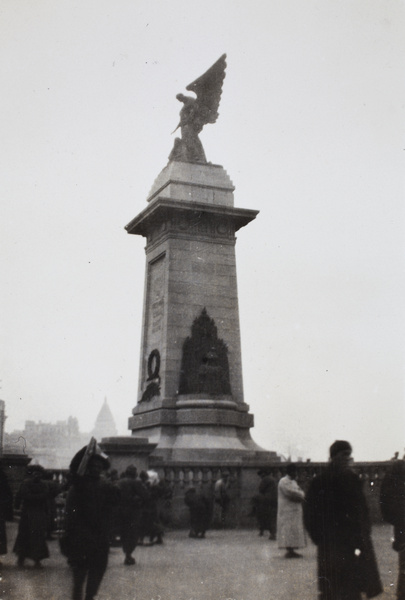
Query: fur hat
(79,463)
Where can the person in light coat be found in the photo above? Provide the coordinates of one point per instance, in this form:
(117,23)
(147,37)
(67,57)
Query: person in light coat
(290,525)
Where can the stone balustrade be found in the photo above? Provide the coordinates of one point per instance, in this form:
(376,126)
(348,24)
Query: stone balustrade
(244,482)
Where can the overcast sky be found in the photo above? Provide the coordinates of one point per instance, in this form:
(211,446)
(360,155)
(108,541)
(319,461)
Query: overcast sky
(312,133)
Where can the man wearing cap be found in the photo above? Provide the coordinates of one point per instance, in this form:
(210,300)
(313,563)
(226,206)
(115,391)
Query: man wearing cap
(336,517)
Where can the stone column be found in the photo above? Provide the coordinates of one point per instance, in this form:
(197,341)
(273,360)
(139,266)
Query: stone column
(190,396)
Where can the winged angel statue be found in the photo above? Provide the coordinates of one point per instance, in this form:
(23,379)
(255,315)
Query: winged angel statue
(197,112)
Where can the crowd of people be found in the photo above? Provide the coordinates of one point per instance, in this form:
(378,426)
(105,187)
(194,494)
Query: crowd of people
(102,510)
(98,509)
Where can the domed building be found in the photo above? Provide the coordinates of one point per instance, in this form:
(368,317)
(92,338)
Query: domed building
(105,424)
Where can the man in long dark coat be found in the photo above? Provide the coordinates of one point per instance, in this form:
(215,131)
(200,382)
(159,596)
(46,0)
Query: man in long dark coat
(134,495)
(89,505)
(393,511)
(336,517)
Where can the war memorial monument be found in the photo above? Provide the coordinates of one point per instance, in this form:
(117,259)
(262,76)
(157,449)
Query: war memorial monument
(191,421)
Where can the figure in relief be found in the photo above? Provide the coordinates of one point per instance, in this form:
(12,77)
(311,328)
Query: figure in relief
(197,112)
(204,365)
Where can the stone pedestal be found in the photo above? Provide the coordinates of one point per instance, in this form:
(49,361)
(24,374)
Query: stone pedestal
(123,451)
(190,399)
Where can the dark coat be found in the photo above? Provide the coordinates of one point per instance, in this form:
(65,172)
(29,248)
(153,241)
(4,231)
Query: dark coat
(200,505)
(392,502)
(32,497)
(133,497)
(6,510)
(151,523)
(89,506)
(337,519)
(133,494)
(265,504)
(268,487)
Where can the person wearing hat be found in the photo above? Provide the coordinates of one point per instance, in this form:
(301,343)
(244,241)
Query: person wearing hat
(89,504)
(337,519)
(32,498)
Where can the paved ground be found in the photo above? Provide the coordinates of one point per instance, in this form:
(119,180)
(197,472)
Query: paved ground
(227,565)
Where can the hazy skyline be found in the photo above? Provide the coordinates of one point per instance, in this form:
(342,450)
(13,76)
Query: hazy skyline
(311,132)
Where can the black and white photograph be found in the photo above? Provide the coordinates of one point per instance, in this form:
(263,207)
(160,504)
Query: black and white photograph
(202,373)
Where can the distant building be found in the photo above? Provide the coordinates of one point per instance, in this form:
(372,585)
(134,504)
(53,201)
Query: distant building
(49,434)
(105,424)
(53,445)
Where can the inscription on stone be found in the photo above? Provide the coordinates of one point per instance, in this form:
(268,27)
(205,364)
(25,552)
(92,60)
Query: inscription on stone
(156,303)
(157,315)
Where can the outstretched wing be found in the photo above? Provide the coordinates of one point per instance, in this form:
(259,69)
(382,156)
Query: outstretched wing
(208,89)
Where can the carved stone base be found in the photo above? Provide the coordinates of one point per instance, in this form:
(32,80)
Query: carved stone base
(198,428)
(207,444)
